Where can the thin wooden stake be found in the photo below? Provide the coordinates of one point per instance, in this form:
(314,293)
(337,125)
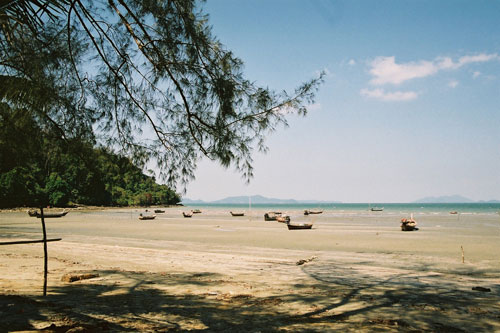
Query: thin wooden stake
(46,258)
(463,256)
(30,241)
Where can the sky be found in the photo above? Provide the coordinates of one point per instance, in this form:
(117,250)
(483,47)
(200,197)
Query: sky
(410,107)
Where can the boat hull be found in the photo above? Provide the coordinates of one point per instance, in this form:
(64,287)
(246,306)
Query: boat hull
(312,212)
(147,217)
(283,219)
(237,214)
(47,215)
(299,226)
(408,227)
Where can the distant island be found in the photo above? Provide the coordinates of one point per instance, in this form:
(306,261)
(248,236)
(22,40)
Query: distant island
(452,199)
(254,199)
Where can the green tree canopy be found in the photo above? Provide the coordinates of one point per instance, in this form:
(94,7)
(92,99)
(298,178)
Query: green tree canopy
(146,77)
(68,171)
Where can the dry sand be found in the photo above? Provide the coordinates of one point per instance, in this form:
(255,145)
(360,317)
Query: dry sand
(215,272)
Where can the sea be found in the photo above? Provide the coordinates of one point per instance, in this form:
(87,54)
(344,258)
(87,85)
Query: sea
(362,208)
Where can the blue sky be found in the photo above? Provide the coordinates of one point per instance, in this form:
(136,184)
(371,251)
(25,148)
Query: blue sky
(410,106)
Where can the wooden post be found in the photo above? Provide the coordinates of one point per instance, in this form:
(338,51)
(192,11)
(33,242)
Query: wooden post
(463,255)
(31,241)
(46,259)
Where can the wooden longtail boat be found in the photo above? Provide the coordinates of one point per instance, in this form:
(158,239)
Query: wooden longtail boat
(47,215)
(283,219)
(187,214)
(157,211)
(146,217)
(307,212)
(196,211)
(299,226)
(408,224)
(271,216)
(237,214)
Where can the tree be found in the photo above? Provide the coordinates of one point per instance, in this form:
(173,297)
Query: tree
(145,77)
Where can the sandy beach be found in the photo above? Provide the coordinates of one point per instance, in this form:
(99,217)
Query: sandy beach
(215,272)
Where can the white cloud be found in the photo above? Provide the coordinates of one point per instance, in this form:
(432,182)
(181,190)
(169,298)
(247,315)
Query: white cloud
(453,84)
(382,95)
(352,62)
(385,70)
(477,58)
(476,74)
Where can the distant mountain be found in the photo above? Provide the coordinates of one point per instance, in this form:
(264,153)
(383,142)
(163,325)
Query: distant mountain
(445,199)
(255,199)
(189,201)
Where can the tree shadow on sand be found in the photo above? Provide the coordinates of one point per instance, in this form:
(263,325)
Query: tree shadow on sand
(408,300)
(336,298)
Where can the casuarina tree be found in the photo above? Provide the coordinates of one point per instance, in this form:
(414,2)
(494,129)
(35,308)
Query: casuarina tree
(146,78)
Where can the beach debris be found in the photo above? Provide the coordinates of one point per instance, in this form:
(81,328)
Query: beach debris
(463,255)
(389,322)
(78,277)
(303,261)
(483,289)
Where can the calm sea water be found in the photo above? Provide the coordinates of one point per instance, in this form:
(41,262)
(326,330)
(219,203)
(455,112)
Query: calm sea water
(462,208)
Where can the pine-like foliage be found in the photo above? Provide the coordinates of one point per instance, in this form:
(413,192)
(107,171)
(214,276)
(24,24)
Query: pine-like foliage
(147,78)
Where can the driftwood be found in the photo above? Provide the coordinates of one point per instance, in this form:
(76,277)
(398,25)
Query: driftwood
(78,277)
(303,261)
(483,289)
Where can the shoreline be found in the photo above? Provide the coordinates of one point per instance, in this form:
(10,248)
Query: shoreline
(219,273)
(84,208)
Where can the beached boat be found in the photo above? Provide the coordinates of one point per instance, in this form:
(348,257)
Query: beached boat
(237,214)
(146,217)
(283,219)
(35,213)
(377,209)
(157,211)
(310,212)
(408,224)
(187,214)
(299,226)
(271,216)
(454,212)
(196,211)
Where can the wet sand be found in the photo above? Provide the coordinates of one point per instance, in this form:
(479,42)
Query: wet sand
(215,272)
